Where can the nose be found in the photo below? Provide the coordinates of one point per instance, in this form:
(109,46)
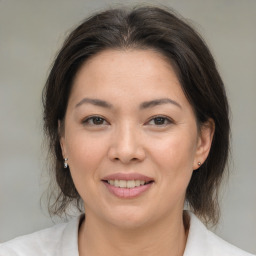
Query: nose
(127,145)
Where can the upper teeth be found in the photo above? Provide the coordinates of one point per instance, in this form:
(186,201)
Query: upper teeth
(126,183)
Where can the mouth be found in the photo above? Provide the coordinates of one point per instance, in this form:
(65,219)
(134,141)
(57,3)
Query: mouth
(127,185)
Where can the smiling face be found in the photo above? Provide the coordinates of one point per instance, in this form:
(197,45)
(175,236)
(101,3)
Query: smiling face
(128,124)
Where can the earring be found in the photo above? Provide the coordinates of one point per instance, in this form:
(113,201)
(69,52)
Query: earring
(65,162)
(199,163)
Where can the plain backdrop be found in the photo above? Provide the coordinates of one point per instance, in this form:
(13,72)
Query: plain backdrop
(31,31)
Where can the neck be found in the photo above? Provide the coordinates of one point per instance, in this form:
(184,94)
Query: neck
(165,238)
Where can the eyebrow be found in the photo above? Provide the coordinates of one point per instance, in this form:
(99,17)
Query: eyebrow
(143,105)
(153,103)
(96,102)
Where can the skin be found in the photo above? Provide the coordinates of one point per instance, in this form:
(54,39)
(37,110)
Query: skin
(127,138)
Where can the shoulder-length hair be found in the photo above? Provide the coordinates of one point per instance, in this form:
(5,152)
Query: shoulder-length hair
(143,28)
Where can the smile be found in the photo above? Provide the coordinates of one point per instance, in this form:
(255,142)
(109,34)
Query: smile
(127,183)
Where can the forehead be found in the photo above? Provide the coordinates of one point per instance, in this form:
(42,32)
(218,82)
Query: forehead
(127,74)
(121,62)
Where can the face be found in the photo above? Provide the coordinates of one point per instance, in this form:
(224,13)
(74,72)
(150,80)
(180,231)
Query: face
(131,138)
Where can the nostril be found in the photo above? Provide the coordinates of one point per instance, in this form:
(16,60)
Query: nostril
(133,159)
(126,154)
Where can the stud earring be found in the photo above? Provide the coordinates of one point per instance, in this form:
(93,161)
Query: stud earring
(199,163)
(65,162)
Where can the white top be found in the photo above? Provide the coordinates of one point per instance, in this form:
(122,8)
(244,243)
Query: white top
(62,240)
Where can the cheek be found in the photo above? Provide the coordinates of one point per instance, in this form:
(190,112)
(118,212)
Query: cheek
(85,154)
(175,151)
(173,159)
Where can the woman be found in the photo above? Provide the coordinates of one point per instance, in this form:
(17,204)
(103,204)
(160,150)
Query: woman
(137,120)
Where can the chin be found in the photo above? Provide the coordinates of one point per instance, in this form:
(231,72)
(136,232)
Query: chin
(128,218)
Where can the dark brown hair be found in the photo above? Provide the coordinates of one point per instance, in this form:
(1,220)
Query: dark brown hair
(162,31)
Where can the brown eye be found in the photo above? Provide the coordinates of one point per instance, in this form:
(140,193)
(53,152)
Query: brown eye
(159,121)
(95,120)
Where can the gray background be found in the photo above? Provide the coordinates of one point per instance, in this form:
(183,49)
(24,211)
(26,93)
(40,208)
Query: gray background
(30,34)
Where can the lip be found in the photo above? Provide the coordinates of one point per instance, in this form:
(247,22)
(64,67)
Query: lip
(126,193)
(127,176)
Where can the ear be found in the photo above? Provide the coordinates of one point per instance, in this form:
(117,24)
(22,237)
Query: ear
(204,143)
(62,138)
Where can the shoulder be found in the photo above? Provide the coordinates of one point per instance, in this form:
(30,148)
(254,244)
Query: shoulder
(202,242)
(35,242)
(50,241)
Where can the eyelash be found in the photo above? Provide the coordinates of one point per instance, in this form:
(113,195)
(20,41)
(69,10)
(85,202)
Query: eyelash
(91,121)
(162,118)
